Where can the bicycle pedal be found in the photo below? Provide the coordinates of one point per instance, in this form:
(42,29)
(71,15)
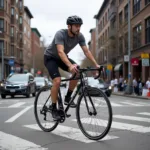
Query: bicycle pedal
(68,115)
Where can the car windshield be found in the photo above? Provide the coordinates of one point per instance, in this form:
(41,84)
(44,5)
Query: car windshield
(17,78)
(39,79)
(92,81)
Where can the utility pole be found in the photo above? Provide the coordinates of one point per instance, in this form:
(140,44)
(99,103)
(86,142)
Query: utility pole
(2,72)
(129,44)
(129,88)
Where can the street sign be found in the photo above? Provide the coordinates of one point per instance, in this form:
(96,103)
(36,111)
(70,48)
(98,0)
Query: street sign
(145,62)
(145,55)
(109,67)
(11,62)
(126,58)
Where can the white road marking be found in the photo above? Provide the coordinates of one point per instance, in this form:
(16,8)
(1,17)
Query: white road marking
(116,125)
(16,105)
(116,105)
(132,118)
(131,104)
(12,119)
(11,142)
(71,133)
(144,113)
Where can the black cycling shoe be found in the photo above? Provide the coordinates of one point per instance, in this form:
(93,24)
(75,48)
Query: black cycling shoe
(66,102)
(55,114)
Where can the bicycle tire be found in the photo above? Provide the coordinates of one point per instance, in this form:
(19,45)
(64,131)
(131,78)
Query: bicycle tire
(79,121)
(43,89)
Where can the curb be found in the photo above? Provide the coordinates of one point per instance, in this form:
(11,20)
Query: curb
(132,96)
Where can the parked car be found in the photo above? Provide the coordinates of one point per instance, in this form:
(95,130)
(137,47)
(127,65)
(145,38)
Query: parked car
(18,84)
(64,83)
(49,83)
(98,83)
(40,82)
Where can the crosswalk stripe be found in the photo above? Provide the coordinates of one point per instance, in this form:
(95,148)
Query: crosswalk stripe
(16,105)
(144,113)
(132,118)
(11,142)
(116,105)
(131,104)
(116,125)
(12,119)
(70,133)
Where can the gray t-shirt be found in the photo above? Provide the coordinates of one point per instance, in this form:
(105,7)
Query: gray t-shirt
(62,38)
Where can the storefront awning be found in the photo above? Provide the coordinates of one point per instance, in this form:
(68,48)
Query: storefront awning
(118,67)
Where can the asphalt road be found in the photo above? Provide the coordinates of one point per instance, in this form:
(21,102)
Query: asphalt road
(19,131)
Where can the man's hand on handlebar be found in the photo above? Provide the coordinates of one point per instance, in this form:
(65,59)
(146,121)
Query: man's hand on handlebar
(73,68)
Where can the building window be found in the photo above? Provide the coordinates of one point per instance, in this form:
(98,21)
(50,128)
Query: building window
(21,55)
(12,11)
(12,31)
(1,25)
(12,50)
(136,6)
(137,36)
(147,30)
(1,46)
(20,20)
(16,16)
(126,13)
(20,4)
(1,3)
(20,37)
(120,18)
(120,1)
(126,43)
(147,1)
(24,29)
(120,46)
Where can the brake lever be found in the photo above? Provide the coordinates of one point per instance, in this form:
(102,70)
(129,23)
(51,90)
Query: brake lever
(99,72)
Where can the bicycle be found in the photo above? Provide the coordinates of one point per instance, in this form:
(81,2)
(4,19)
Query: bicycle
(85,100)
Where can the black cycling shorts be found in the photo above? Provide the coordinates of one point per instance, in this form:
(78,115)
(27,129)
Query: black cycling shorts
(52,65)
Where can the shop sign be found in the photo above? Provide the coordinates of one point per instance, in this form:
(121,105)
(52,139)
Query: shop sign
(135,61)
(145,55)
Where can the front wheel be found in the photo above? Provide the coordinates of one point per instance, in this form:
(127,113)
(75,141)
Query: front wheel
(42,112)
(94,121)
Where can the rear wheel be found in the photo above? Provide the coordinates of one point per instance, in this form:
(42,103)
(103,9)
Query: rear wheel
(42,112)
(96,124)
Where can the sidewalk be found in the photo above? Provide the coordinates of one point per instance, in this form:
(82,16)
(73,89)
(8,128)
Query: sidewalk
(132,95)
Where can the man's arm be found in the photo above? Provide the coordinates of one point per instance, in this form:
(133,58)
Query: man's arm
(63,57)
(89,55)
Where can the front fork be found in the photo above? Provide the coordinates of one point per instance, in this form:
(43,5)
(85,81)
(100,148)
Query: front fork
(86,92)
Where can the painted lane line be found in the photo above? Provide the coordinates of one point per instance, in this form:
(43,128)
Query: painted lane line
(11,142)
(131,104)
(144,113)
(16,105)
(132,118)
(12,119)
(71,133)
(115,104)
(116,125)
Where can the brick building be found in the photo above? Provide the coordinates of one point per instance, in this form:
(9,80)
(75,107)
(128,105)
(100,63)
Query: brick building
(112,35)
(92,43)
(11,31)
(35,46)
(27,53)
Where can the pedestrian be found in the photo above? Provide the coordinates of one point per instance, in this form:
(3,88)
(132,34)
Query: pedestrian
(135,86)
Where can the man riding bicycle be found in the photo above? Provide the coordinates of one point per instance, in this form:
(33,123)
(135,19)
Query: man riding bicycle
(55,56)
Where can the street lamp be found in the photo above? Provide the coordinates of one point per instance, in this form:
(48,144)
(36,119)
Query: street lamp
(2,66)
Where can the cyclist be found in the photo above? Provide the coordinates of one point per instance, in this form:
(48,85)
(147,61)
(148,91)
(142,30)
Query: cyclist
(55,56)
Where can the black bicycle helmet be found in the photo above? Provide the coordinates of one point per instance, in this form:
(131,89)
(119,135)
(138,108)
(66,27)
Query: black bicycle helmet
(74,20)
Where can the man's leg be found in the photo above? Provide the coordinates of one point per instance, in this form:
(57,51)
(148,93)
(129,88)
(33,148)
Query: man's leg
(72,85)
